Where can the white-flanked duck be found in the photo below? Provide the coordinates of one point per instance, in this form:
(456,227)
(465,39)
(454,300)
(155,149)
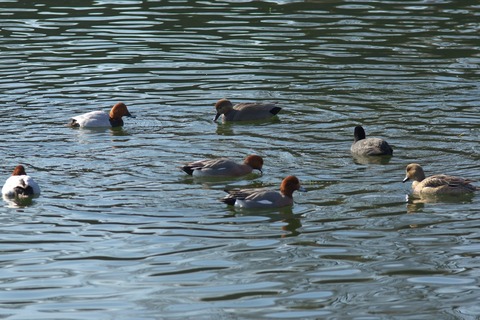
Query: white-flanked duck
(264,198)
(20,185)
(98,119)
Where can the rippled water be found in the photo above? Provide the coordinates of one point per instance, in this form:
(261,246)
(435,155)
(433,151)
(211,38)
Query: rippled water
(120,233)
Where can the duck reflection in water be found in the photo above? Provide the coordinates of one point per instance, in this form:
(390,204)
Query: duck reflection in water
(292,225)
(291,222)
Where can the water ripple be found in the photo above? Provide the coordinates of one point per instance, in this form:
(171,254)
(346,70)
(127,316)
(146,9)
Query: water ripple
(120,232)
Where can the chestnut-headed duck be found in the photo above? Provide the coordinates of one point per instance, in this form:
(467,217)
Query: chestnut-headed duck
(20,185)
(223,167)
(264,198)
(363,146)
(244,111)
(97,119)
(439,184)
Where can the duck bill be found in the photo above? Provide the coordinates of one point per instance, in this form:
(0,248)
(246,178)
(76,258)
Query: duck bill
(406,179)
(302,189)
(129,115)
(216,117)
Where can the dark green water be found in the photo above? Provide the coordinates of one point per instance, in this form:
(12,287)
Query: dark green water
(120,233)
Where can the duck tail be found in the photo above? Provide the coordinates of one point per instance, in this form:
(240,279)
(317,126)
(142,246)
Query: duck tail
(23,190)
(187,169)
(230,200)
(275,110)
(73,123)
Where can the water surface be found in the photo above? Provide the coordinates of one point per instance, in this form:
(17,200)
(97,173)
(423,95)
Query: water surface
(120,232)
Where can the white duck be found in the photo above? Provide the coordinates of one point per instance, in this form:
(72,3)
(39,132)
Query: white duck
(20,185)
(97,119)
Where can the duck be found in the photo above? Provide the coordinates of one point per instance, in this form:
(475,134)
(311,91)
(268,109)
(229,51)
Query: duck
(264,198)
(244,111)
(363,146)
(440,184)
(222,167)
(20,185)
(97,119)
